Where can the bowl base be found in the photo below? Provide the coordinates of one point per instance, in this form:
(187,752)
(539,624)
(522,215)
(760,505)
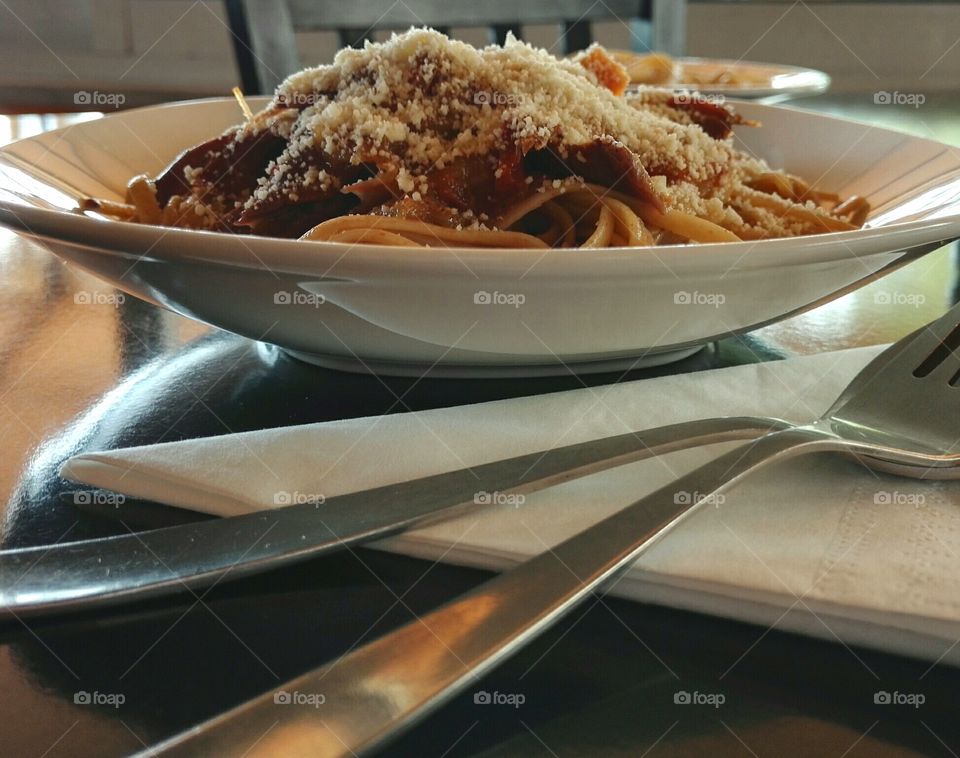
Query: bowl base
(490,370)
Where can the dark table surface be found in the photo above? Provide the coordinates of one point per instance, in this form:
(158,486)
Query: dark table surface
(83,377)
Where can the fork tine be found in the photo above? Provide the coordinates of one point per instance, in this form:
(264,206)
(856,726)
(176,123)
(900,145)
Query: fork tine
(943,361)
(928,338)
(947,357)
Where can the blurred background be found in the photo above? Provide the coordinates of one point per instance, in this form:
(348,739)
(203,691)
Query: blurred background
(154,50)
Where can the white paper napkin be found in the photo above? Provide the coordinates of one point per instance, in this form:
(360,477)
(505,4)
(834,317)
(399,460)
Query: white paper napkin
(818,545)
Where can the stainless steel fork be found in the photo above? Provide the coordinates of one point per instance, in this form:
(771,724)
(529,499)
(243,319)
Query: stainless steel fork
(899,414)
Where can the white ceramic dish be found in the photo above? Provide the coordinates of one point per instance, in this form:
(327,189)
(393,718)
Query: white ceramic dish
(766,80)
(402,311)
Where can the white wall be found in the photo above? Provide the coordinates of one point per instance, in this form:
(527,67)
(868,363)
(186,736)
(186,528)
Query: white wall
(149,49)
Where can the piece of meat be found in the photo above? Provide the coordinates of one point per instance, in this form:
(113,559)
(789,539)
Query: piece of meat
(427,209)
(294,219)
(226,165)
(715,119)
(604,161)
(171,181)
(297,189)
(375,190)
(465,183)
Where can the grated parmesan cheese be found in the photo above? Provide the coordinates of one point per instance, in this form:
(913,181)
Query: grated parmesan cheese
(421,100)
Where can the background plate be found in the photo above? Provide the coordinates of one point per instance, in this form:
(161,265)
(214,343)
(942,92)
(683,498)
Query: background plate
(760,79)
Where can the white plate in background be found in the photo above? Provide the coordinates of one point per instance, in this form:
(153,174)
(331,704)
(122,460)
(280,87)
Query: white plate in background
(758,79)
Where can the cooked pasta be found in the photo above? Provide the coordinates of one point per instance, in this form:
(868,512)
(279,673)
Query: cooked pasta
(426,141)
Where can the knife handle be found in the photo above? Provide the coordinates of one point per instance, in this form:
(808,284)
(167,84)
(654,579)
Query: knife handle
(373,692)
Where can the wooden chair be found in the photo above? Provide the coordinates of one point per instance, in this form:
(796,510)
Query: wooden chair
(265,47)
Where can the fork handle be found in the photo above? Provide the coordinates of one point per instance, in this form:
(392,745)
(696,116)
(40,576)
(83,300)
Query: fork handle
(372,693)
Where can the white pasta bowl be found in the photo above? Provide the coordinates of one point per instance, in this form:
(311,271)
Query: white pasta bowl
(481,311)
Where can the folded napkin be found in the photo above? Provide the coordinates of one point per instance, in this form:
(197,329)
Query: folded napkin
(817,545)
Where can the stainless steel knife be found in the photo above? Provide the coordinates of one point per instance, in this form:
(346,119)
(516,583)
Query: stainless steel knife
(77,575)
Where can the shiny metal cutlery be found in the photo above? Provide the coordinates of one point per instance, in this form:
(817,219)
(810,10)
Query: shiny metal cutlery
(86,574)
(900,413)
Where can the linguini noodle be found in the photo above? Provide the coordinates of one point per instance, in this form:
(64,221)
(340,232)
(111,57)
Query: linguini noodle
(423,141)
(416,232)
(594,214)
